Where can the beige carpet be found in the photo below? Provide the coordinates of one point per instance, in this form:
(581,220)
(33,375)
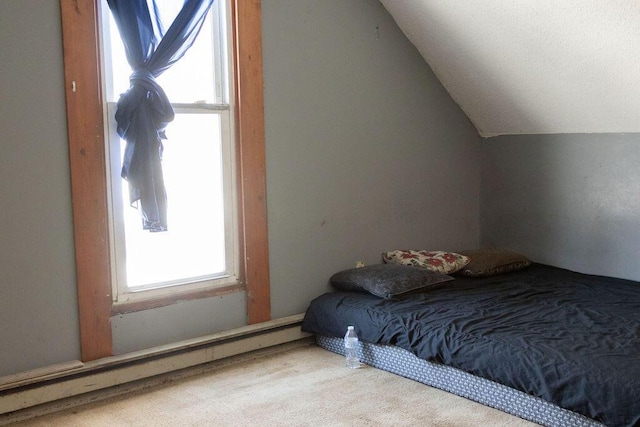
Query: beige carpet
(304,386)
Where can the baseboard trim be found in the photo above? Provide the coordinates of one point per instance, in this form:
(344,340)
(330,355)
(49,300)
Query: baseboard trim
(117,370)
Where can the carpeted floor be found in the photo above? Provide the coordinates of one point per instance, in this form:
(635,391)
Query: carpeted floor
(304,386)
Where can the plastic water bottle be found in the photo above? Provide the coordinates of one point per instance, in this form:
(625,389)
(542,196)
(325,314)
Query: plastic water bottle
(351,348)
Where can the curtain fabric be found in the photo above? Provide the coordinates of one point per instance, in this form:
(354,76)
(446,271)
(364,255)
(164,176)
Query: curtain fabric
(144,109)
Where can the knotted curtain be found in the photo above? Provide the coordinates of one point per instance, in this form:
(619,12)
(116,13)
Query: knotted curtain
(144,110)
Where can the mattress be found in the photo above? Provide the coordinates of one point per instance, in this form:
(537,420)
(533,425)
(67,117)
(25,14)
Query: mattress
(564,337)
(404,363)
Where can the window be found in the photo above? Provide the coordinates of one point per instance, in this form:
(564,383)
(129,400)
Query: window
(199,249)
(85,123)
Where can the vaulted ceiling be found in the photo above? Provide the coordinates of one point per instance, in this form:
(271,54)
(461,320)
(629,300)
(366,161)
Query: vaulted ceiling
(532,66)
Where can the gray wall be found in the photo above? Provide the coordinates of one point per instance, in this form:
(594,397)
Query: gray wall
(365,152)
(570,200)
(38,308)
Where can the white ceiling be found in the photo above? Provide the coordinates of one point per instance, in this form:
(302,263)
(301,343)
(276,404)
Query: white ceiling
(532,66)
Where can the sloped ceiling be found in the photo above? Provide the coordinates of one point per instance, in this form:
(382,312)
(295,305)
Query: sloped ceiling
(532,66)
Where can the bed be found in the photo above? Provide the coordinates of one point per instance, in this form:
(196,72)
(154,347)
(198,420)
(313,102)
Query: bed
(549,345)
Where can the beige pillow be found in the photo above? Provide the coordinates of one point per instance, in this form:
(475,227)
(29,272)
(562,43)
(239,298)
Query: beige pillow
(491,262)
(440,261)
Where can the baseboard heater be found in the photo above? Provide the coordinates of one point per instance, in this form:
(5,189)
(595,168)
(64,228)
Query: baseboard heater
(23,391)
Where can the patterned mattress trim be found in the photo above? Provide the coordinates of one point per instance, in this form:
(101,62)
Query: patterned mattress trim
(402,362)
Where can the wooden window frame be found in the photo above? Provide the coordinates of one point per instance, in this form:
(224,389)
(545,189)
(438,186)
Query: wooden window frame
(85,123)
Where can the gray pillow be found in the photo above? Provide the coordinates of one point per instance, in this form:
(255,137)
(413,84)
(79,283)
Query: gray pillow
(386,280)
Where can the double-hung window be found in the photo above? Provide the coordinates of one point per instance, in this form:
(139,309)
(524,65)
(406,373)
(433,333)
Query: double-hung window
(199,251)
(83,32)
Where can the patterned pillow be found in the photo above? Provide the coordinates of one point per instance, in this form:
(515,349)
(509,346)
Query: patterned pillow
(386,280)
(491,262)
(440,261)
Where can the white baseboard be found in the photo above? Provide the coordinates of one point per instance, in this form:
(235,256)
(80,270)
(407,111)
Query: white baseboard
(115,371)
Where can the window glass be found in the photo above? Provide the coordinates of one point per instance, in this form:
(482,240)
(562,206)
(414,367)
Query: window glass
(191,79)
(199,248)
(194,245)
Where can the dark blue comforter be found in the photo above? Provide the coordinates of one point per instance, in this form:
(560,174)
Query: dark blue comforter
(569,338)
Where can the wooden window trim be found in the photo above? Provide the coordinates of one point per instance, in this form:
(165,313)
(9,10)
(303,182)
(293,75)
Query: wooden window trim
(85,123)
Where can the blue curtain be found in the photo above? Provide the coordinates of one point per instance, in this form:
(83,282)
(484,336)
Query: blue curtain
(144,109)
